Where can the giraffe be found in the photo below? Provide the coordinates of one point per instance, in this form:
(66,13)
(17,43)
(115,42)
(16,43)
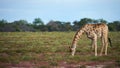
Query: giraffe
(93,31)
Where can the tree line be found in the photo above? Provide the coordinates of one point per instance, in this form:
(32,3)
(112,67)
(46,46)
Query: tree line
(38,25)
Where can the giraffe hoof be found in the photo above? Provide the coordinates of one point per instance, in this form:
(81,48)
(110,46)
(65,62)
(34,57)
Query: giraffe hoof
(105,54)
(95,54)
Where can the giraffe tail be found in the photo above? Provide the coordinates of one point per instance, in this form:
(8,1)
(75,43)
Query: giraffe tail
(110,42)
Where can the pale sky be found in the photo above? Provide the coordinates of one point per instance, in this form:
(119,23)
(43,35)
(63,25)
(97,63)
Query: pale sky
(62,10)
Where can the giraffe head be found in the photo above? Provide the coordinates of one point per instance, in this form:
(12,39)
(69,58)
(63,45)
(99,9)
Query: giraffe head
(72,50)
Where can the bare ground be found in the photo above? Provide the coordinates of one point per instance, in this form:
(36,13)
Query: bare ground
(61,64)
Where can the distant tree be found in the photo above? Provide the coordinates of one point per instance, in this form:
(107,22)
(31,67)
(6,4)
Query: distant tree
(38,21)
(22,25)
(20,22)
(102,21)
(38,24)
(54,25)
(95,21)
(111,27)
(118,25)
(85,21)
(66,26)
(78,24)
(114,26)
(3,22)
(75,25)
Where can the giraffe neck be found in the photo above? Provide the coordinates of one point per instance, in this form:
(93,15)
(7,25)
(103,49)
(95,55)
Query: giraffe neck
(76,38)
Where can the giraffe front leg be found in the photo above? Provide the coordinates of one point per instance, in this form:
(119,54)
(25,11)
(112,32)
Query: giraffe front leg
(95,44)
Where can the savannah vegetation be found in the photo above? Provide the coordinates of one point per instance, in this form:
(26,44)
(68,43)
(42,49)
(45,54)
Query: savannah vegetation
(24,44)
(49,49)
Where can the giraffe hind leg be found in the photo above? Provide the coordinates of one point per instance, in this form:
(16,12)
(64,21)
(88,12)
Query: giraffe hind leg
(106,46)
(103,46)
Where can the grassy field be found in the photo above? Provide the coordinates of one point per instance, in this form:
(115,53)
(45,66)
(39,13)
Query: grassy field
(51,49)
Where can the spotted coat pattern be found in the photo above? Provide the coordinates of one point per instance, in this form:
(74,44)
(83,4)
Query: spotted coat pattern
(93,31)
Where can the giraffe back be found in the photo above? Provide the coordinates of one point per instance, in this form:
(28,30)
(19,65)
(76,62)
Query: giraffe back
(99,29)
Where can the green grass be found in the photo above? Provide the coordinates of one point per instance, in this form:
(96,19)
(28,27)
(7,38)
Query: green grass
(52,48)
